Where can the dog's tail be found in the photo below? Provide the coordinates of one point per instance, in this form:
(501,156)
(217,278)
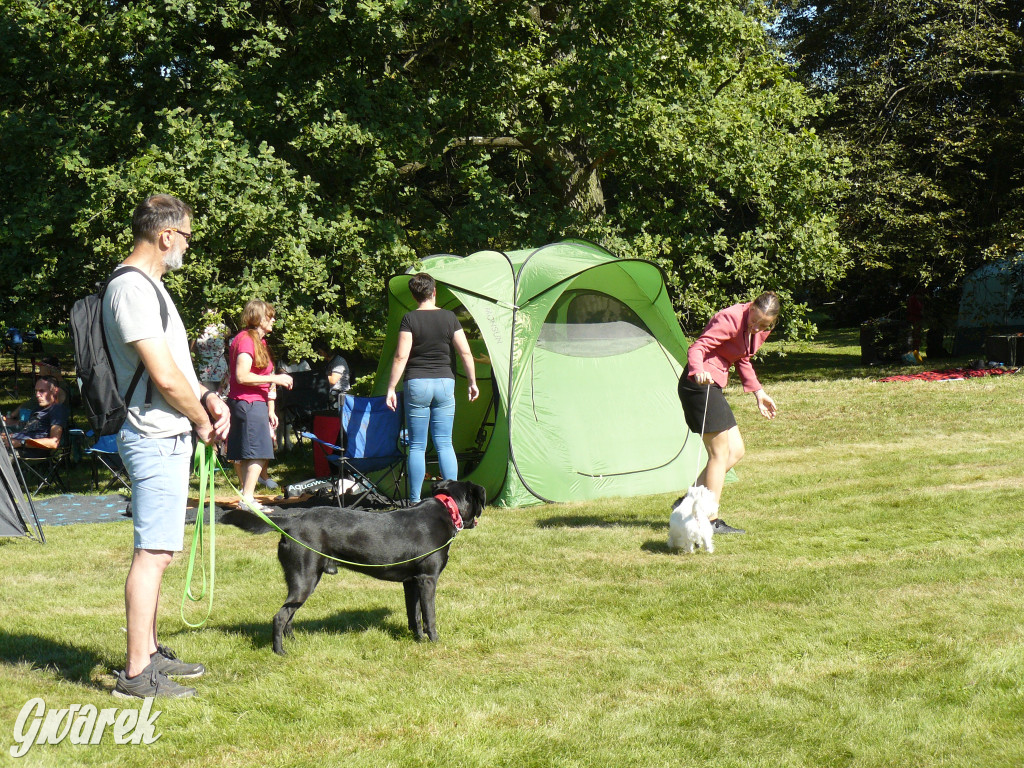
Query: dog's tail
(247,521)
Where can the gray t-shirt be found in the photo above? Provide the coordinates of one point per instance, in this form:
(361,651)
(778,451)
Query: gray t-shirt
(131,312)
(339,367)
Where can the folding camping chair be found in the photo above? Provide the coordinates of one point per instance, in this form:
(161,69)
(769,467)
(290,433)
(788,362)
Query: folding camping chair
(46,467)
(371,445)
(103,453)
(310,393)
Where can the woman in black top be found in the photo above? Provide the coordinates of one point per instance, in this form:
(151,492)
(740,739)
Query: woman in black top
(425,341)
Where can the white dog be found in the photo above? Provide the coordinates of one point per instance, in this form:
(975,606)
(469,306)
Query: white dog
(689,525)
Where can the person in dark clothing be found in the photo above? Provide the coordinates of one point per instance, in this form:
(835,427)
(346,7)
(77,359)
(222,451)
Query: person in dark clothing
(915,319)
(43,430)
(425,342)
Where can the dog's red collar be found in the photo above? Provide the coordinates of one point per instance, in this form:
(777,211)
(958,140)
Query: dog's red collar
(453,509)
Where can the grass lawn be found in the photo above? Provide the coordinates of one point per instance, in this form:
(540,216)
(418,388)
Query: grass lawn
(871,617)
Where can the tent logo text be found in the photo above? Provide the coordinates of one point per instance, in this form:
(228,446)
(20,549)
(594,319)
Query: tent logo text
(82,725)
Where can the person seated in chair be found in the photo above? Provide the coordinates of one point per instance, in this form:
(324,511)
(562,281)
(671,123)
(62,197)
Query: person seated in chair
(335,368)
(44,429)
(21,413)
(50,366)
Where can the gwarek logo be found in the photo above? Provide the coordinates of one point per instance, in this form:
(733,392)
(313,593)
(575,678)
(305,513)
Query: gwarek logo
(82,725)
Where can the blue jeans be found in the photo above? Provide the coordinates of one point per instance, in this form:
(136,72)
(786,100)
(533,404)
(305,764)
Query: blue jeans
(430,407)
(159,468)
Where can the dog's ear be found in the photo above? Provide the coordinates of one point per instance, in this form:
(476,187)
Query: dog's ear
(472,500)
(479,496)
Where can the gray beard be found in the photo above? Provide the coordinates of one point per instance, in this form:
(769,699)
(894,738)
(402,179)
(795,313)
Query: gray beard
(173,260)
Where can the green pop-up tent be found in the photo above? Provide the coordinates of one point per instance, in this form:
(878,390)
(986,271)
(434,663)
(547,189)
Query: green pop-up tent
(579,353)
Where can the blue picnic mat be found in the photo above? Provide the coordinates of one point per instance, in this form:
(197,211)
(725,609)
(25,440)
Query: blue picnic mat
(70,509)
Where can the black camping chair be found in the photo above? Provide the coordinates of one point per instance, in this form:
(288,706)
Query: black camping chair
(309,394)
(370,462)
(46,467)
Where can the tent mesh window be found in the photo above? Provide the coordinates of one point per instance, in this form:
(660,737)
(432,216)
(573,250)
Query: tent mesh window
(592,324)
(468,322)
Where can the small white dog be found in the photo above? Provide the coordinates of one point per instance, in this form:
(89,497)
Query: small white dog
(689,525)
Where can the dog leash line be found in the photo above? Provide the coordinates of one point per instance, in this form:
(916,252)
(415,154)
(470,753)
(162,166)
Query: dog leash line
(703,423)
(202,466)
(263,516)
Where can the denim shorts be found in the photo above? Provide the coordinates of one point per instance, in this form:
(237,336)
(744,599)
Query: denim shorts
(159,468)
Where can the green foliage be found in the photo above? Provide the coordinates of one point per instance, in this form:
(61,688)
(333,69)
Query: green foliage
(869,618)
(928,106)
(328,146)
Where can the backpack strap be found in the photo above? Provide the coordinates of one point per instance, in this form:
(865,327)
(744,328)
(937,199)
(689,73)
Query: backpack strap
(164,316)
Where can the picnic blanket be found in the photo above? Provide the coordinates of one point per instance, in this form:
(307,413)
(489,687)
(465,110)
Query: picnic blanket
(69,509)
(950,374)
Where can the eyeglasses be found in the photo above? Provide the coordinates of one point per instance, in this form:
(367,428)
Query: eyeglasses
(186,235)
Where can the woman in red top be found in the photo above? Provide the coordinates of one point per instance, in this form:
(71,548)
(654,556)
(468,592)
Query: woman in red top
(732,336)
(253,420)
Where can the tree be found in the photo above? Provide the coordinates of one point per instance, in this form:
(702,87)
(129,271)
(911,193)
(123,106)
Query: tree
(329,145)
(928,104)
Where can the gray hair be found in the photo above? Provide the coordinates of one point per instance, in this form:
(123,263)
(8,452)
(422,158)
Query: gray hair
(157,213)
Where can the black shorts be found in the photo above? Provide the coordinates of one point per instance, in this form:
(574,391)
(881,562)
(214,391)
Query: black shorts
(695,397)
(249,437)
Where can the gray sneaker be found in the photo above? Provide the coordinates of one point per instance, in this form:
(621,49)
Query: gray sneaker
(150,682)
(719,526)
(169,664)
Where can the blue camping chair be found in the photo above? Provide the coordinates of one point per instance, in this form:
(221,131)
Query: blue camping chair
(104,452)
(371,455)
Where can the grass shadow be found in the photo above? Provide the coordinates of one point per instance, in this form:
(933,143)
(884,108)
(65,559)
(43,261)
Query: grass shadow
(658,548)
(73,663)
(591,521)
(341,623)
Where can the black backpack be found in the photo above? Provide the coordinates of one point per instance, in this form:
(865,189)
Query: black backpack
(104,405)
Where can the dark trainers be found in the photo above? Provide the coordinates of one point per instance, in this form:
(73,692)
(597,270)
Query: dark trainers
(166,662)
(718,525)
(150,682)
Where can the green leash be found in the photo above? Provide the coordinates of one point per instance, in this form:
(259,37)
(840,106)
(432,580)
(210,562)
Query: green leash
(262,516)
(203,465)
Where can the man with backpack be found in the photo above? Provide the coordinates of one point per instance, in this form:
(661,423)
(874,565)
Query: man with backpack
(142,325)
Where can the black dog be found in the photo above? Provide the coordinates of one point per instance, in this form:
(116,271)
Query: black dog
(409,545)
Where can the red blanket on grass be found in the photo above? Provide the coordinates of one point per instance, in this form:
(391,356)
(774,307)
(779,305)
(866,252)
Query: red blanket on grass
(950,374)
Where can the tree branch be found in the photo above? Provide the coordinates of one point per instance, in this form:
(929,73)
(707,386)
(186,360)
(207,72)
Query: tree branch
(995,73)
(733,76)
(504,142)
